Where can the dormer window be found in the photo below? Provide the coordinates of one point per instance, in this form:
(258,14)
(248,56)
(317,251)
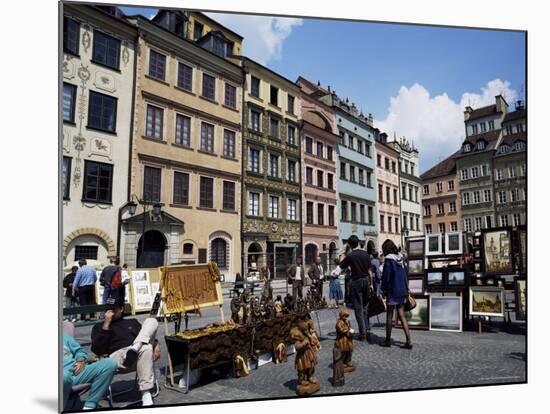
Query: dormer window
(519,146)
(467,147)
(474,129)
(480,145)
(504,149)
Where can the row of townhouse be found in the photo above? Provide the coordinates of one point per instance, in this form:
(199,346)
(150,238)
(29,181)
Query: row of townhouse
(484,183)
(179,149)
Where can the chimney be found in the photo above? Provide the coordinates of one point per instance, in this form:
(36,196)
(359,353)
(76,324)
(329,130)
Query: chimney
(467,111)
(501,104)
(519,105)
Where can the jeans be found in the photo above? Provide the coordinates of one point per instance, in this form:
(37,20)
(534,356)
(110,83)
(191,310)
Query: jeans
(86,296)
(100,374)
(359,295)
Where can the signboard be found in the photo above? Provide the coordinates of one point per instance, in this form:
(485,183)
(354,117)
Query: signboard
(190,287)
(141,290)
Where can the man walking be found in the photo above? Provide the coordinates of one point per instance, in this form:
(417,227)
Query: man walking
(108,275)
(84,284)
(358,261)
(317,274)
(296,277)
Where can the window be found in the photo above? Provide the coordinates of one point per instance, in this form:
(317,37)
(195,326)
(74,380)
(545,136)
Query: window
(359,146)
(502,197)
(254,160)
(440,208)
(362,214)
(187,248)
(452,207)
(330,181)
(85,252)
(206,199)
(183,130)
(309,145)
(454,226)
(480,145)
(491,125)
(465,199)
(484,170)
(151,184)
(321,214)
(197,31)
(342,170)
(464,174)
(442,227)
(273,165)
(410,193)
(154,122)
(378,160)
(106,50)
(468,225)
(255,86)
(353,210)
(309,212)
(331,215)
(412,168)
(291,170)
(344,210)
(102,112)
(417,223)
(475,172)
(519,146)
(519,127)
(389,225)
(253,204)
(185,77)
(361,177)
(388,195)
(273,209)
(477,198)
(500,174)
(438,187)
(380,193)
(230,95)
(428,228)
(404,191)
(274,95)
(207,137)
(71,35)
(273,127)
(487,222)
(291,135)
(181,188)
(382,221)
(255,120)
(387,163)
(320,150)
(320,180)
(393,167)
(405,219)
(512,172)
(291,209)
(329,153)
(477,223)
(229,195)
(368,152)
(208,86)
(66,177)
(218,252)
(98,182)
(427,210)
(514,194)
(369,179)
(309,175)
(342,136)
(352,173)
(228,143)
(350,142)
(517,219)
(474,129)
(426,189)
(483,127)
(504,220)
(504,149)
(290,104)
(69,100)
(509,130)
(395,200)
(406,167)
(486,195)
(416,195)
(370,213)
(466,148)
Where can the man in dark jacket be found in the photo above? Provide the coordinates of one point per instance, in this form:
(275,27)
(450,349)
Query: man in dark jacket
(108,274)
(130,343)
(316,273)
(358,261)
(70,300)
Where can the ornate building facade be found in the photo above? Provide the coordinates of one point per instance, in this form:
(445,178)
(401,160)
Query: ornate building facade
(319,179)
(186,153)
(98,78)
(271,202)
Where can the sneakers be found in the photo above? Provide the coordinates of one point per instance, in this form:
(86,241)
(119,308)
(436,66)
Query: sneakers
(131,358)
(146,399)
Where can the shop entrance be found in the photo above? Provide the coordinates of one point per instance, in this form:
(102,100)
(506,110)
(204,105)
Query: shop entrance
(151,254)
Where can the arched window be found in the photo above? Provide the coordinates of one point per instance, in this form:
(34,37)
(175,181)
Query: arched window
(504,149)
(218,252)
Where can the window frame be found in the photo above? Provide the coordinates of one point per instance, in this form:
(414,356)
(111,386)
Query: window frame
(94,57)
(185,193)
(205,179)
(155,118)
(97,200)
(65,33)
(143,184)
(205,87)
(74,90)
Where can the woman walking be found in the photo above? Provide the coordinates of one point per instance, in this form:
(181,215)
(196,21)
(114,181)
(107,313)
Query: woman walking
(335,294)
(395,289)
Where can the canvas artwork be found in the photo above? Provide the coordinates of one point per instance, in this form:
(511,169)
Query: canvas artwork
(453,243)
(487,301)
(419,317)
(446,313)
(456,278)
(141,287)
(416,285)
(523,250)
(497,252)
(415,247)
(521,299)
(416,266)
(434,245)
(434,278)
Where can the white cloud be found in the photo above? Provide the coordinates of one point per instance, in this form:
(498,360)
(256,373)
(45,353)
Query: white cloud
(263,35)
(436,124)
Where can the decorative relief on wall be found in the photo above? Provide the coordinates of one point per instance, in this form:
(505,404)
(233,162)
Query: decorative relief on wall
(101,147)
(79,142)
(66,139)
(86,38)
(68,68)
(125,53)
(105,81)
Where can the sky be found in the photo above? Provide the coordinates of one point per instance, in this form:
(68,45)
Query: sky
(415,80)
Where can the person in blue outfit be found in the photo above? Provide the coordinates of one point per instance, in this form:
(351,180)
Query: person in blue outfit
(76,371)
(376,274)
(395,289)
(84,285)
(335,294)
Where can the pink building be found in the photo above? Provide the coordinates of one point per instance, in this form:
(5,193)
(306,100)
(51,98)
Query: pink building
(387,177)
(319,196)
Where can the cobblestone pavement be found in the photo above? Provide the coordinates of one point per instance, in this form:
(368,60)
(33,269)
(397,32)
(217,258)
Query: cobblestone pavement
(438,359)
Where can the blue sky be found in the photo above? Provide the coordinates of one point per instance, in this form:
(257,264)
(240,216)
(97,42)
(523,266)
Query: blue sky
(415,80)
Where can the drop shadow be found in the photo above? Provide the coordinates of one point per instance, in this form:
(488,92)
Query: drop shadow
(291,384)
(49,403)
(519,356)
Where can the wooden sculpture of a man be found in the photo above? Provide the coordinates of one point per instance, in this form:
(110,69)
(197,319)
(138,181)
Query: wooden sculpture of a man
(305,360)
(344,340)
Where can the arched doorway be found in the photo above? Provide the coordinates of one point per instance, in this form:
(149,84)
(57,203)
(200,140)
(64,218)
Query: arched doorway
(219,252)
(152,253)
(254,254)
(311,252)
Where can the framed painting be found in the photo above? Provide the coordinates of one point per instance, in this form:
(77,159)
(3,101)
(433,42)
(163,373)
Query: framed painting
(434,279)
(419,317)
(416,285)
(456,278)
(415,247)
(522,236)
(415,266)
(521,298)
(434,244)
(497,252)
(453,243)
(445,313)
(486,301)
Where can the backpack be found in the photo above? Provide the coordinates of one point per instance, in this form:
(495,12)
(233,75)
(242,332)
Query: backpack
(116,281)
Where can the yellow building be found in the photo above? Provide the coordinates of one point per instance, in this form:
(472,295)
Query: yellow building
(186,152)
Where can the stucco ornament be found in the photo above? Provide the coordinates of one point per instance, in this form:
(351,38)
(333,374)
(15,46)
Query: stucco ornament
(125,53)
(86,38)
(83,73)
(274,227)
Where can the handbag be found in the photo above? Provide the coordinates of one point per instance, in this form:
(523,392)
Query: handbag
(376,305)
(410,303)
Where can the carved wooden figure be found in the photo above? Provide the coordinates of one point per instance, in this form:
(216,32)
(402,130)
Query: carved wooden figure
(305,361)
(344,340)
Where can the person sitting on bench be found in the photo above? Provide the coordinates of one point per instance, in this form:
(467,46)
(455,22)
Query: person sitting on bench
(131,344)
(76,371)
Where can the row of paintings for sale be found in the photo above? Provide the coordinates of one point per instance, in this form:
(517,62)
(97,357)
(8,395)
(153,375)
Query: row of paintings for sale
(432,245)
